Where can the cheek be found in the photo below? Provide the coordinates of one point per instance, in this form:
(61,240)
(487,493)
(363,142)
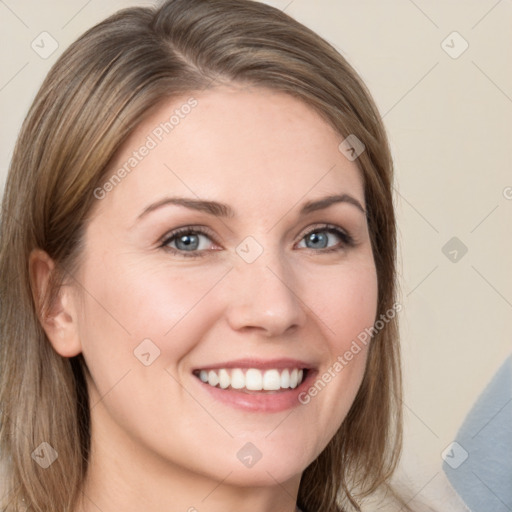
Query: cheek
(129,301)
(347,309)
(347,305)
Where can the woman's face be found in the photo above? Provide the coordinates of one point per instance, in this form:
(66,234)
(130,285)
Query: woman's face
(272,285)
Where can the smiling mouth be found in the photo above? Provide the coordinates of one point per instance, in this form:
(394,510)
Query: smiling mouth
(253,379)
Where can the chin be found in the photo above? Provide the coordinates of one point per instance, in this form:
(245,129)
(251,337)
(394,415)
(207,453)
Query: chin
(266,474)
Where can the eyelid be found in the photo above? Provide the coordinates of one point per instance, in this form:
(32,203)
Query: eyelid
(323,225)
(189,227)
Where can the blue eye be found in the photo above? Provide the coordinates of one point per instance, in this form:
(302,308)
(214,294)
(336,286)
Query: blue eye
(186,241)
(318,238)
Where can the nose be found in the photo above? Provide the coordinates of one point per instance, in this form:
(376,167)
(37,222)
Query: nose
(264,296)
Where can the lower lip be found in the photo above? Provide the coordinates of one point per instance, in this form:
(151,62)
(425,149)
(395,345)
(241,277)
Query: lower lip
(276,401)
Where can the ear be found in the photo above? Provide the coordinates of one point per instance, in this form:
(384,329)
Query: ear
(59,317)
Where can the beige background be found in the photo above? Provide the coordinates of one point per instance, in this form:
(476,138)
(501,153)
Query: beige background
(449,124)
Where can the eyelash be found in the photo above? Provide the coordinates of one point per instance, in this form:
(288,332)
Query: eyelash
(347,240)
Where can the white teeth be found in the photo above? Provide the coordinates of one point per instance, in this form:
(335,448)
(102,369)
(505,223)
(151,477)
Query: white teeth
(237,379)
(285,379)
(224,379)
(253,379)
(271,380)
(213,378)
(293,378)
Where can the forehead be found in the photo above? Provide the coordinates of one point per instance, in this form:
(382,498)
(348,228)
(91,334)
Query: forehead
(234,144)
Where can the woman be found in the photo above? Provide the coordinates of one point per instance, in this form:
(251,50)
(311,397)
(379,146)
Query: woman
(198,273)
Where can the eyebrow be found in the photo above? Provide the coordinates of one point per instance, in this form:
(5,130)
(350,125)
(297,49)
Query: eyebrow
(223,210)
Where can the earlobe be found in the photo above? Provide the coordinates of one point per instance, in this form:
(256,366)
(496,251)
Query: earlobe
(57,315)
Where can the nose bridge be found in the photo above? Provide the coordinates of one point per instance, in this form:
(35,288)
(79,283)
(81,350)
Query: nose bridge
(264,292)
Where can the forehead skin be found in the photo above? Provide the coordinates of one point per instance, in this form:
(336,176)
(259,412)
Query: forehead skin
(270,166)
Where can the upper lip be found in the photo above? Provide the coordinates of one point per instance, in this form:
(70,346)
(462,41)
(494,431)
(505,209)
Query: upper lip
(262,364)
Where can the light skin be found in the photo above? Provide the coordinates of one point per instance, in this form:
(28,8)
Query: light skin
(160,441)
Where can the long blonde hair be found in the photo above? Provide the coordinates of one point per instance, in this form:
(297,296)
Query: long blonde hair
(92,99)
